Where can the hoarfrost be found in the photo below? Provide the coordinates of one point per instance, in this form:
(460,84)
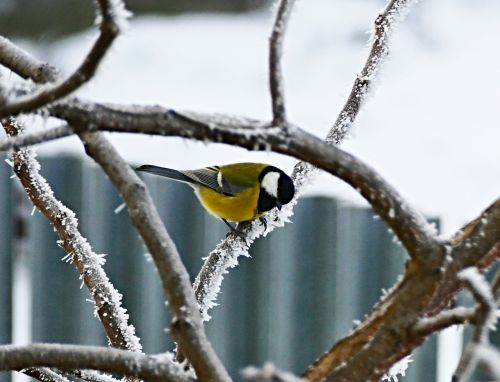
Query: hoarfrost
(399,368)
(118,12)
(480,286)
(80,248)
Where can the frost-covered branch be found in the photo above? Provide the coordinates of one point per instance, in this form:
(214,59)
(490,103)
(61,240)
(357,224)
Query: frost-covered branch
(70,357)
(91,376)
(89,264)
(486,320)
(445,319)
(112,16)
(32,138)
(478,237)
(25,65)
(186,324)
(283,12)
(384,25)
(44,374)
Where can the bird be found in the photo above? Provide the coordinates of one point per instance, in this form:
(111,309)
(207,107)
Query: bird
(237,192)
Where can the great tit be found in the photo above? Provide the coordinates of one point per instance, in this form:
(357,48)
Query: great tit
(236,192)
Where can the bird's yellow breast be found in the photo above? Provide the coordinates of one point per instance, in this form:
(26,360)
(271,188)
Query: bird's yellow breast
(238,208)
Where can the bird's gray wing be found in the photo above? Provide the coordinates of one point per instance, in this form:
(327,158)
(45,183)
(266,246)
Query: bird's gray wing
(212,178)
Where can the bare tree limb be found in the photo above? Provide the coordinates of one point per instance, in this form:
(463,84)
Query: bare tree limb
(32,138)
(384,24)
(445,319)
(111,360)
(483,294)
(106,298)
(186,324)
(478,237)
(282,18)
(22,63)
(109,30)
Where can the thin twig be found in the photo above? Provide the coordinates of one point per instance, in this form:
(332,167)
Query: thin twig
(186,324)
(111,360)
(486,318)
(32,138)
(44,374)
(445,319)
(281,20)
(23,64)
(106,298)
(109,30)
(384,24)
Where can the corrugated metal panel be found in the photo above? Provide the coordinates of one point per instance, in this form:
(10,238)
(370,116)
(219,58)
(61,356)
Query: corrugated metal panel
(301,291)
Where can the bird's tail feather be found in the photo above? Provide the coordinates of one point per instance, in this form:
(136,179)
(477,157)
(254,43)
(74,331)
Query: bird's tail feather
(166,172)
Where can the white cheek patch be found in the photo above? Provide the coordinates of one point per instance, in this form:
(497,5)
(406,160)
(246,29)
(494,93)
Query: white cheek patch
(270,183)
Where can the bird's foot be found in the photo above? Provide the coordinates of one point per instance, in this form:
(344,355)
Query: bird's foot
(234,230)
(263,221)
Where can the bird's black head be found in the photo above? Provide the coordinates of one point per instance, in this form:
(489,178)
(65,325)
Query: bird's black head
(276,189)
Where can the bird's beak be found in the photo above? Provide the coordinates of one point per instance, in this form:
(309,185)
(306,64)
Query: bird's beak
(278,204)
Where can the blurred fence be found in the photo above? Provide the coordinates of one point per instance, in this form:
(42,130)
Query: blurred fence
(301,290)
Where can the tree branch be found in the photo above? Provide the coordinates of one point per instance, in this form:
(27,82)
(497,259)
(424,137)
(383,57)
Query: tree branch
(110,12)
(486,320)
(32,138)
(457,316)
(478,237)
(22,63)
(384,25)
(186,324)
(44,374)
(281,20)
(106,298)
(70,357)
(91,376)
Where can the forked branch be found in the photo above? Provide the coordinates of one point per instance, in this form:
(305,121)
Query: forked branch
(70,357)
(110,14)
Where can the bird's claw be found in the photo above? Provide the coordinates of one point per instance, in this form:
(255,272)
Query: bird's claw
(263,221)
